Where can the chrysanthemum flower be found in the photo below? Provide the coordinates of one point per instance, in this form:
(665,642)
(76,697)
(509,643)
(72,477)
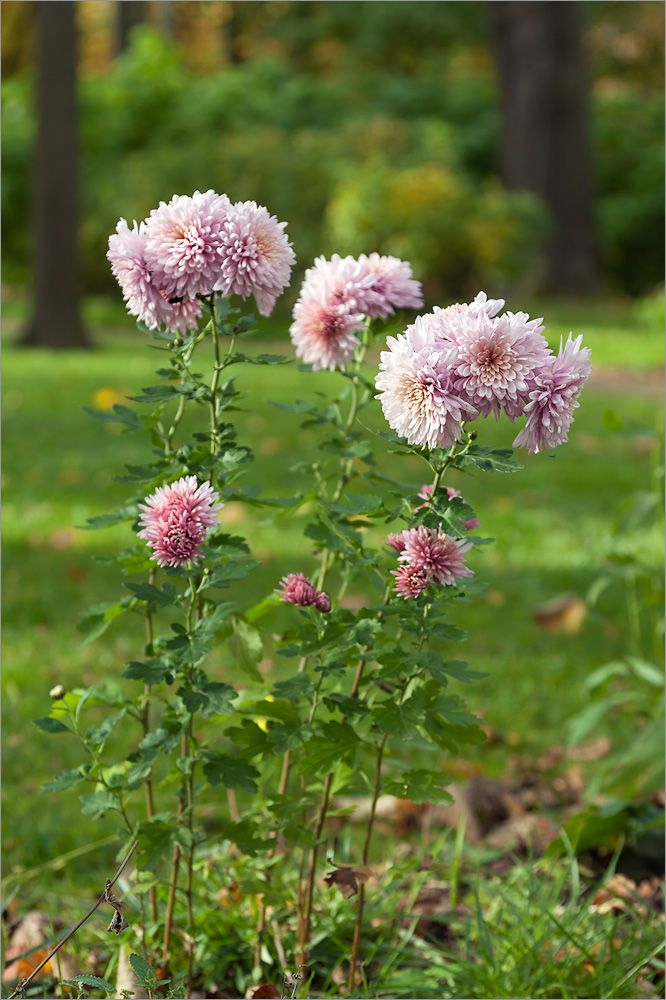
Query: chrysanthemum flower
(435,554)
(145,299)
(418,396)
(555,397)
(496,360)
(393,286)
(324,328)
(396,542)
(299,589)
(176,519)
(409,581)
(256,256)
(184,243)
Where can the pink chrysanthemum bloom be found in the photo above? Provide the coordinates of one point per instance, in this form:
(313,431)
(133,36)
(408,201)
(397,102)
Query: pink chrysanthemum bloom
(176,519)
(555,397)
(426,493)
(298,589)
(419,399)
(393,286)
(481,303)
(184,243)
(435,554)
(145,299)
(409,581)
(396,542)
(325,320)
(496,360)
(256,256)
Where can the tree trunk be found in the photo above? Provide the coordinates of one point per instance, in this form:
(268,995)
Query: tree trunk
(130,13)
(545,146)
(55,321)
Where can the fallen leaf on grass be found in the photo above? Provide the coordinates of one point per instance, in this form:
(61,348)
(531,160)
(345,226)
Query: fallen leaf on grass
(620,893)
(564,613)
(521,832)
(348,879)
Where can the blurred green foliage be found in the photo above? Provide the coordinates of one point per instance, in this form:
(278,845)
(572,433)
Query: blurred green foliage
(363,133)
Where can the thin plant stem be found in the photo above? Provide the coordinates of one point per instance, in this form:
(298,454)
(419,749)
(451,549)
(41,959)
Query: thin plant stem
(145,724)
(21,985)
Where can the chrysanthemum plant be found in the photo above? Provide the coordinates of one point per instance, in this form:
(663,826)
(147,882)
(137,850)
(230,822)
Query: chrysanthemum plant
(366,696)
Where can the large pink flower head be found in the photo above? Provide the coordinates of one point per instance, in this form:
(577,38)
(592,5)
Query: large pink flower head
(437,555)
(176,519)
(497,358)
(417,392)
(327,315)
(184,243)
(555,397)
(393,286)
(145,299)
(256,256)
(409,581)
(298,589)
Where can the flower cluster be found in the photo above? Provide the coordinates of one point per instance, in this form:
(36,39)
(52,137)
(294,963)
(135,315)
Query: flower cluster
(336,298)
(428,555)
(299,589)
(195,246)
(455,364)
(176,518)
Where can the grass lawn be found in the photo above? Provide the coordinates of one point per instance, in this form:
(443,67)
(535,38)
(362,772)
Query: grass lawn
(579,522)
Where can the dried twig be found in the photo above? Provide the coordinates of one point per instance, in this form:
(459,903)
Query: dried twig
(117,924)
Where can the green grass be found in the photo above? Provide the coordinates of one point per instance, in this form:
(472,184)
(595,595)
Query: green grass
(560,525)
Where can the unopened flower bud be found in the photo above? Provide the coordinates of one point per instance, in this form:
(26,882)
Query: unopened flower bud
(323,602)
(473,435)
(57,692)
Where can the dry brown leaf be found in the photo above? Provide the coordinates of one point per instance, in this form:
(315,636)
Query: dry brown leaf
(519,832)
(348,879)
(28,937)
(617,894)
(265,991)
(564,613)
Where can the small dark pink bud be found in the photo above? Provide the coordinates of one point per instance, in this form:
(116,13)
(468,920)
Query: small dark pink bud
(323,602)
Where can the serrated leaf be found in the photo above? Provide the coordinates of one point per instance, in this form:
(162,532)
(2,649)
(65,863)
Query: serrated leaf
(156,394)
(285,738)
(143,969)
(94,981)
(64,779)
(161,597)
(488,459)
(152,671)
(419,785)
(323,752)
(51,725)
(232,772)
(95,804)
(106,520)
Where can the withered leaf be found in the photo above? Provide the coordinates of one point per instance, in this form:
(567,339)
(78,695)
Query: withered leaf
(265,991)
(348,879)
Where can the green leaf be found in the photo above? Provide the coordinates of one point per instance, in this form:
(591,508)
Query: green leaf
(488,459)
(143,969)
(324,752)
(161,597)
(441,670)
(247,647)
(214,698)
(298,686)
(285,738)
(100,734)
(95,804)
(419,785)
(51,725)
(156,394)
(94,981)
(230,571)
(358,503)
(106,520)
(232,772)
(64,779)
(250,736)
(152,671)
(244,835)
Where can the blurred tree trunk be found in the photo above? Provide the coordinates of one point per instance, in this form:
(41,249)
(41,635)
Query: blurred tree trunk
(55,321)
(130,13)
(545,141)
